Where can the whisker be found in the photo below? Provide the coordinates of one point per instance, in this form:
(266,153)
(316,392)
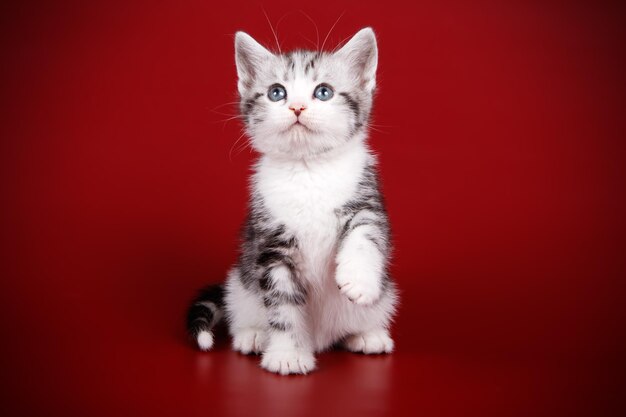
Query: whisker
(340,44)
(230,152)
(384,132)
(224,114)
(224,105)
(331,29)
(273,32)
(379,125)
(246,144)
(226,120)
(243,146)
(317,32)
(376,127)
(282,18)
(308,40)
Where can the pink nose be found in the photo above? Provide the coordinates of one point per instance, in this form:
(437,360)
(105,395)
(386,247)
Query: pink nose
(297,108)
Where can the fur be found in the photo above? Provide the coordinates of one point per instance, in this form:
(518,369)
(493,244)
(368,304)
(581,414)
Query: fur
(313,267)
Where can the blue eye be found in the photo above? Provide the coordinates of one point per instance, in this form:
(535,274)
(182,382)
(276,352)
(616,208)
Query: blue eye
(323,92)
(277,93)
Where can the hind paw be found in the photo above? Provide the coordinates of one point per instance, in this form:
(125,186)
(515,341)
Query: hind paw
(370,342)
(249,341)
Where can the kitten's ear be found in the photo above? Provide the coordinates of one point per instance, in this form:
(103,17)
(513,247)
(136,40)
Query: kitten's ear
(362,54)
(249,54)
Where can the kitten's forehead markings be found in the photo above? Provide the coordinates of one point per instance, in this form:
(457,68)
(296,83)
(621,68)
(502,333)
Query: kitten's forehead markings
(312,58)
(299,64)
(289,66)
(312,66)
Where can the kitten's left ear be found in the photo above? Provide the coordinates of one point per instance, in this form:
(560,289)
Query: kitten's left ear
(249,56)
(362,54)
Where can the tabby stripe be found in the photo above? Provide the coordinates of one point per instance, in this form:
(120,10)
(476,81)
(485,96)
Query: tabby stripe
(352,104)
(249,104)
(279,325)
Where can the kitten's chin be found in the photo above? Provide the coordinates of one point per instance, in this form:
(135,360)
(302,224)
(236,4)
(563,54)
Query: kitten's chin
(294,144)
(301,145)
(299,141)
(298,128)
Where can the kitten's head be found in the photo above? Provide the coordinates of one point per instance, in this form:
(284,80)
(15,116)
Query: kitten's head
(305,103)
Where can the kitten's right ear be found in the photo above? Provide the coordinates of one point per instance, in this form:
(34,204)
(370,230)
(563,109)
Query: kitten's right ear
(361,53)
(249,55)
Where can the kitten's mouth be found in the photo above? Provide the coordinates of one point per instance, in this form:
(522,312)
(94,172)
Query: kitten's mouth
(299,124)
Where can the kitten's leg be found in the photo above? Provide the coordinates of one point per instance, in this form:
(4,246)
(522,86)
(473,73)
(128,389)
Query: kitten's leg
(361,259)
(289,349)
(371,342)
(247,316)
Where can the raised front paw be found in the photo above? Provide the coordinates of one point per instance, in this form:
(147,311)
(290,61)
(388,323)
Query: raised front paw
(287,362)
(359,285)
(360,267)
(360,293)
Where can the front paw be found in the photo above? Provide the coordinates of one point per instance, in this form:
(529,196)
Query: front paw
(359,285)
(287,362)
(359,293)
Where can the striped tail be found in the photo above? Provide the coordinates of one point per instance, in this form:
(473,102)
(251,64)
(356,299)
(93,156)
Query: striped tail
(205,312)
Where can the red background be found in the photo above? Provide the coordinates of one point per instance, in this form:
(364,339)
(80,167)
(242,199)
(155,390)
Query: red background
(500,129)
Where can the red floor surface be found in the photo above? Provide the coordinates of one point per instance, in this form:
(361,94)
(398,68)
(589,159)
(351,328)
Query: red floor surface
(500,129)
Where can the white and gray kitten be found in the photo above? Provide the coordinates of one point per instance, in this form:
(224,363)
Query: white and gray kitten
(313,268)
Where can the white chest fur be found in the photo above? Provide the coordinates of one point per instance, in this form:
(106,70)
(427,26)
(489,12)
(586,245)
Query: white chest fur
(305,196)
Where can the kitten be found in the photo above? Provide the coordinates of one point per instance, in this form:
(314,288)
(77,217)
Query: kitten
(313,265)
